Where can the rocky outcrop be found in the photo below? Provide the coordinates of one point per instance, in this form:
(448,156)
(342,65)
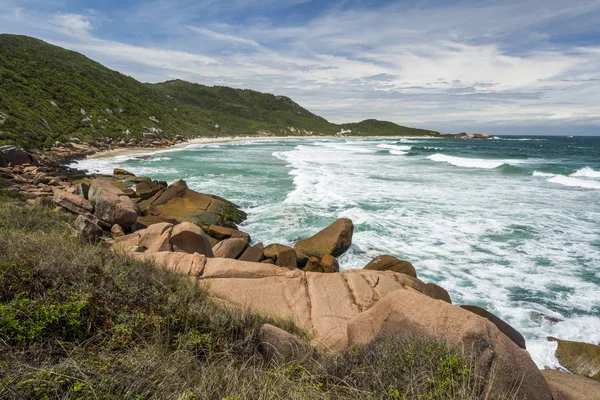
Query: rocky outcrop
(13,156)
(230,248)
(333,240)
(179,203)
(579,358)
(72,202)
(111,204)
(409,314)
(164,237)
(567,386)
(221,233)
(391,263)
(282,255)
(505,328)
(464,135)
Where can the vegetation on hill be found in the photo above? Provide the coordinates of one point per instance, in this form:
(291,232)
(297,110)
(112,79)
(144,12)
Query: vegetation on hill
(45,88)
(79,321)
(374,127)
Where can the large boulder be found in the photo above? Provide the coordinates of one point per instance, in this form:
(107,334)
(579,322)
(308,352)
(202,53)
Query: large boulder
(408,314)
(505,328)
(87,227)
(230,248)
(333,240)
(179,203)
(222,232)
(567,386)
(437,292)
(253,254)
(72,202)
(282,255)
(579,358)
(275,344)
(13,156)
(391,263)
(189,238)
(111,204)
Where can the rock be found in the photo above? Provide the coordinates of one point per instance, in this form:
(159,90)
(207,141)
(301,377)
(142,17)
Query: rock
(13,156)
(437,292)
(111,204)
(144,191)
(313,265)
(117,231)
(579,358)
(43,202)
(83,112)
(406,313)
(391,263)
(108,111)
(567,386)
(253,254)
(330,264)
(119,171)
(221,232)
(333,240)
(230,248)
(178,202)
(282,255)
(82,189)
(189,238)
(87,227)
(72,202)
(127,191)
(31,135)
(181,263)
(87,122)
(268,261)
(277,345)
(505,328)
(53,103)
(148,135)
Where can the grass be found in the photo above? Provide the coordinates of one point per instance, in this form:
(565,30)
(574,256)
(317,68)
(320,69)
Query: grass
(78,321)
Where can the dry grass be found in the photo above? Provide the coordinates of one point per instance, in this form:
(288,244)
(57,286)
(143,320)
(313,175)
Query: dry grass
(80,322)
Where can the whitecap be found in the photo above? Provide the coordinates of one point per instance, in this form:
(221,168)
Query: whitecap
(394,147)
(467,162)
(574,182)
(544,174)
(398,152)
(586,172)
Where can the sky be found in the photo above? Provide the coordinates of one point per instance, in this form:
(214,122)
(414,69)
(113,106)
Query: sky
(501,67)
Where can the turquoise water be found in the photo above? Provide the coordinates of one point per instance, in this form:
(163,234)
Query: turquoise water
(511,224)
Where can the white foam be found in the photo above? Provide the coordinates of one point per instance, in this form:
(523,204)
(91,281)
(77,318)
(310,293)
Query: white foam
(467,162)
(394,147)
(574,182)
(543,174)
(586,172)
(398,152)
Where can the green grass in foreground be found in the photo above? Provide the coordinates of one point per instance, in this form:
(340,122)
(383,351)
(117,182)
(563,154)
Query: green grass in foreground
(80,322)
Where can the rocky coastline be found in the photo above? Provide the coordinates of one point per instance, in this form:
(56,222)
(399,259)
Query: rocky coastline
(197,235)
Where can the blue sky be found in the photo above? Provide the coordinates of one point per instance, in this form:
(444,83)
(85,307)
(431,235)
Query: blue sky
(492,66)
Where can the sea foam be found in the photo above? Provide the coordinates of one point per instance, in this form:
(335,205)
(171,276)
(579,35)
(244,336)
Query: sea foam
(574,182)
(586,172)
(467,162)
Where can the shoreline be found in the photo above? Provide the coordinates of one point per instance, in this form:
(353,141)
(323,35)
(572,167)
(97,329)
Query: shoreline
(230,139)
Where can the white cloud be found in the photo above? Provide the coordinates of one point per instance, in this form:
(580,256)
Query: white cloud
(72,24)
(223,37)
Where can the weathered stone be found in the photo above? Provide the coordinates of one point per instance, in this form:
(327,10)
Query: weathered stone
(253,254)
(127,191)
(313,265)
(282,255)
(330,264)
(579,358)
(567,386)
(230,248)
(408,314)
(72,202)
(437,292)
(221,232)
(189,238)
(391,263)
(505,328)
(117,231)
(144,190)
(333,240)
(13,156)
(82,189)
(87,227)
(120,171)
(111,204)
(277,345)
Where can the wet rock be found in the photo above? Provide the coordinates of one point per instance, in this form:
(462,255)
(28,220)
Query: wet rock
(578,357)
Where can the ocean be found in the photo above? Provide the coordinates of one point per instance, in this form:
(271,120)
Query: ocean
(510,224)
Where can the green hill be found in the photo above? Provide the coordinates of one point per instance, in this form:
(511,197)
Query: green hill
(49,94)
